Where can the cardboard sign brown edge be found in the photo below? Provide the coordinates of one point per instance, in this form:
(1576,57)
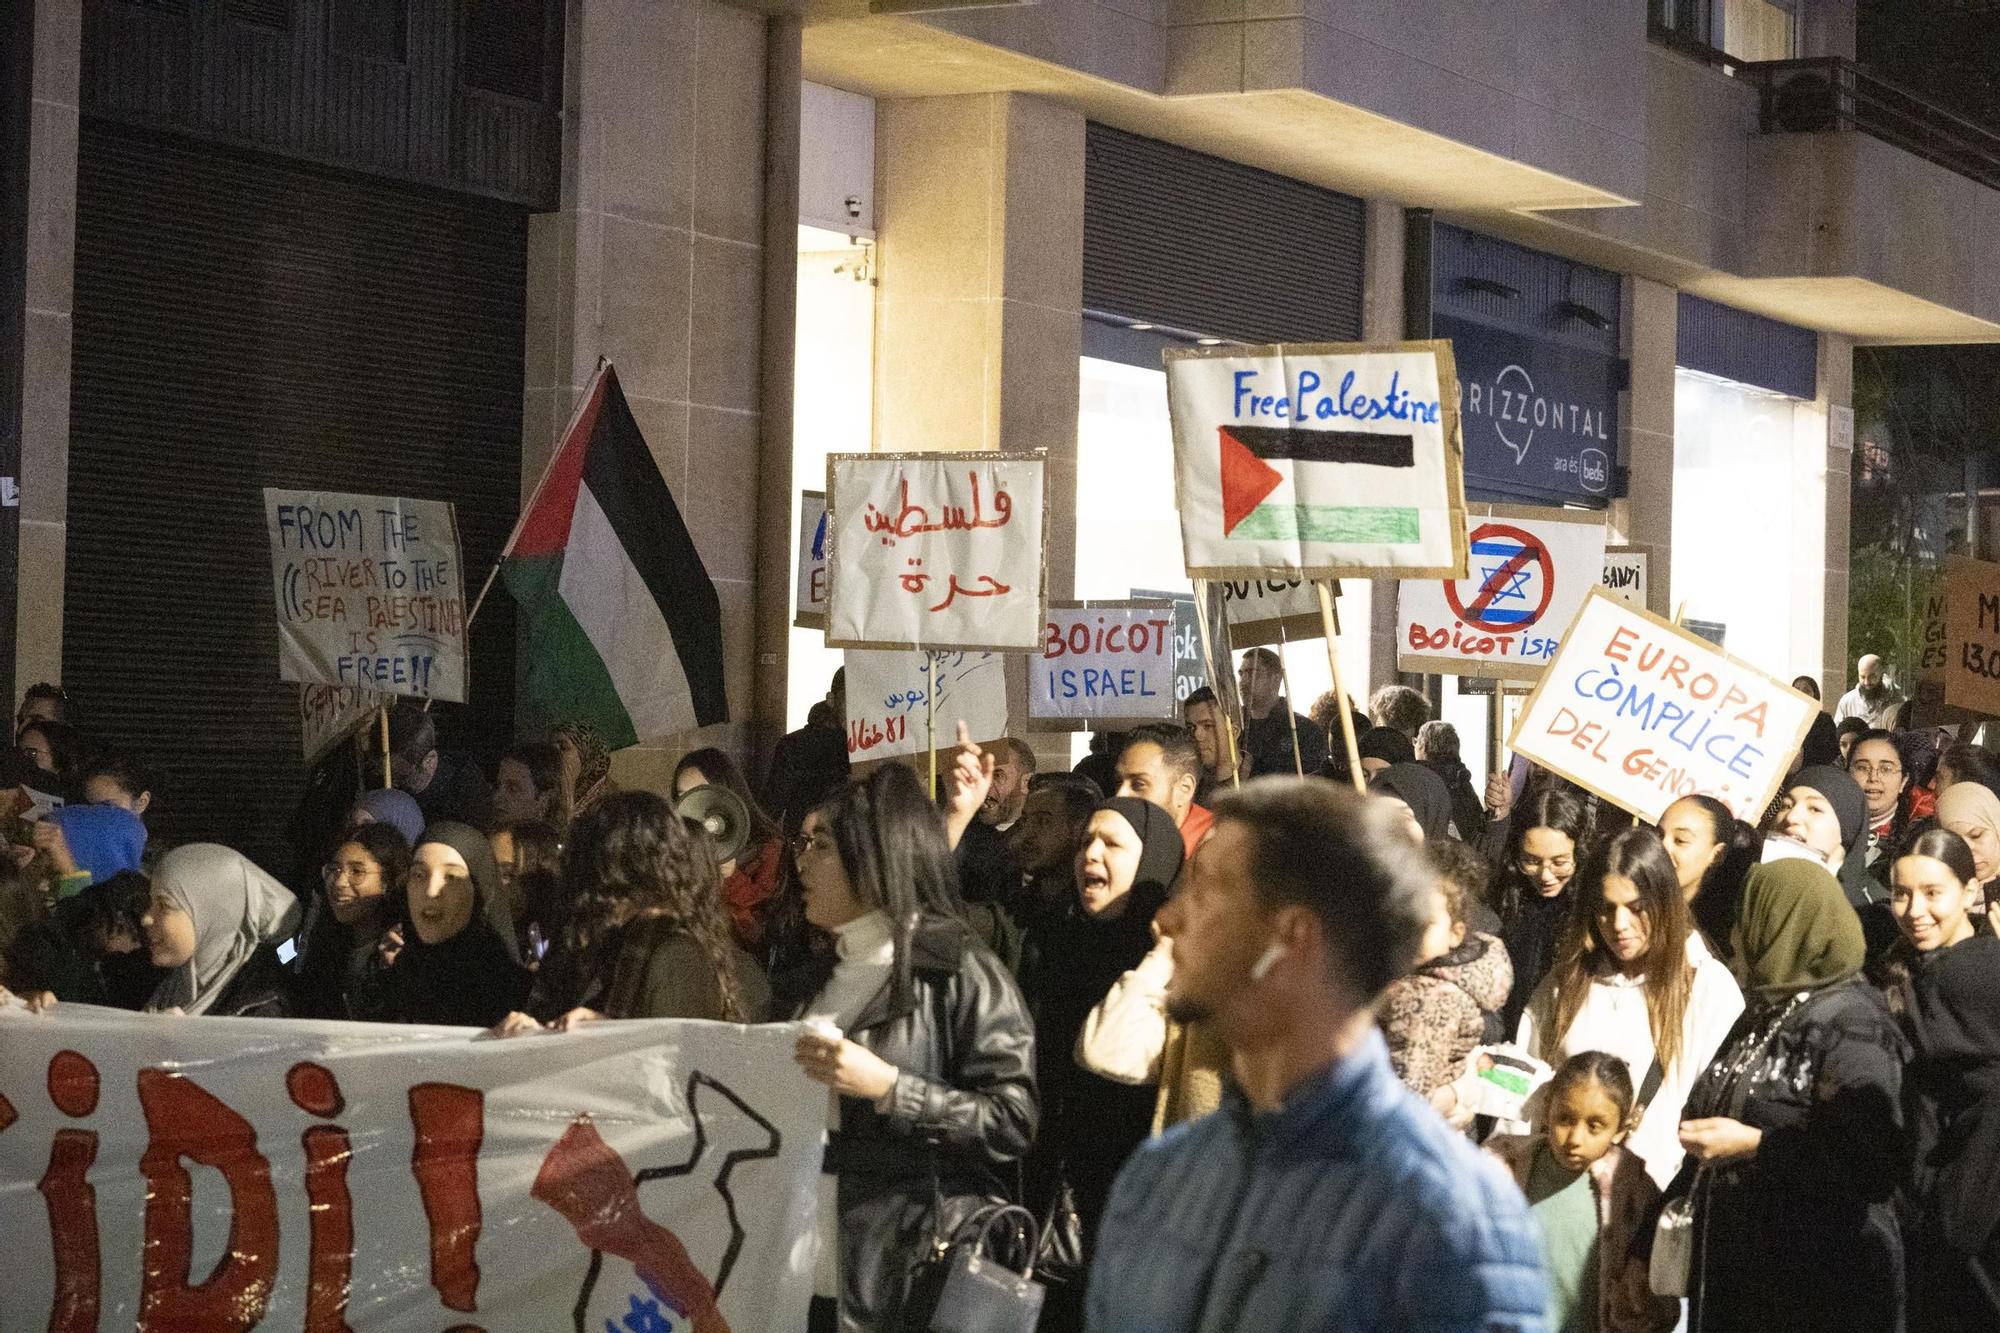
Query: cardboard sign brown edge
(1452,666)
(811,619)
(925,456)
(1038,723)
(1638,548)
(1534,696)
(1971,569)
(1454,447)
(1305,625)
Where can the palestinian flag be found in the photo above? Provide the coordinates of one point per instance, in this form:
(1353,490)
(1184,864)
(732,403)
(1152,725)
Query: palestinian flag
(623,627)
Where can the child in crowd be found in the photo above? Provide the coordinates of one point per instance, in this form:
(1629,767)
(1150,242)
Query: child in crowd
(1594,1201)
(1451,1002)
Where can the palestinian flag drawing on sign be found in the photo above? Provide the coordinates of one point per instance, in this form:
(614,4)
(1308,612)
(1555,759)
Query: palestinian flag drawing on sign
(623,625)
(1319,460)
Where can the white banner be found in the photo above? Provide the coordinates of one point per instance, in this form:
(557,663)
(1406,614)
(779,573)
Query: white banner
(1529,577)
(1105,660)
(888,693)
(1643,713)
(1266,611)
(1625,570)
(939,550)
(370,593)
(810,611)
(1320,459)
(224,1174)
(328,715)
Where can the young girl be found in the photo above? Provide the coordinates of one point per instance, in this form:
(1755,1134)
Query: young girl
(1593,1201)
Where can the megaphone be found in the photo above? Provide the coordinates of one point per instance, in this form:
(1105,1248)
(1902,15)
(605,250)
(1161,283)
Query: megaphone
(721,814)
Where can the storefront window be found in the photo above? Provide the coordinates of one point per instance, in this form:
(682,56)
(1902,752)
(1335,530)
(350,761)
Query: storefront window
(1750,520)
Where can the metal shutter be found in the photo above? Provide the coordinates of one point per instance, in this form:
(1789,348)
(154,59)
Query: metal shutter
(241,321)
(1211,247)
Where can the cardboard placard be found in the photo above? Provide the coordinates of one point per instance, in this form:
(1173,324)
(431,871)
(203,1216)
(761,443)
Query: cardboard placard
(888,707)
(1261,612)
(1190,674)
(370,592)
(1627,572)
(936,550)
(1318,459)
(809,612)
(1643,713)
(1531,569)
(1971,668)
(1104,662)
(329,715)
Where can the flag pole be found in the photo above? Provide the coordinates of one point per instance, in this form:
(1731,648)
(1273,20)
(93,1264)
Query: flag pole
(1208,662)
(1291,704)
(1332,626)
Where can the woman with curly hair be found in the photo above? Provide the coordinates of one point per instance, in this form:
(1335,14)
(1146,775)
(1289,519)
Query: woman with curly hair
(647,936)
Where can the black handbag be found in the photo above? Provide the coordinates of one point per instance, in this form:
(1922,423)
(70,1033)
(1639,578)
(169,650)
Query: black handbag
(964,1285)
(1059,1257)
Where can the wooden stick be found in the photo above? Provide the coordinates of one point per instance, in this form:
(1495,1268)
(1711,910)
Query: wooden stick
(1208,663)
(1499,726)
(930,717)
(388,780)
(1339,689)
(1291,704)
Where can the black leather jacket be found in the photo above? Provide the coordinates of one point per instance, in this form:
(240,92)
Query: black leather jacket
(964,1105)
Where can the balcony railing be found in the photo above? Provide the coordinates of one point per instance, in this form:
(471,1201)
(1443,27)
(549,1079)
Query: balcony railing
(1829,93)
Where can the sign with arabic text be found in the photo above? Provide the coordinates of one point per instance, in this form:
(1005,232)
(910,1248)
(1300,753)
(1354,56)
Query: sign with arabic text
(1318,459)
(1104,661)
(1643,713)
(889,712)
(370,592)
(229,1174)
(936,550)
(810,609)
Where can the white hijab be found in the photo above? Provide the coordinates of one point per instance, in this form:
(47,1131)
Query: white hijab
(236,908)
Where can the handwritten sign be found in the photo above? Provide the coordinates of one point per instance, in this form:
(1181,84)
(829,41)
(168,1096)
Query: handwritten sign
(1531,570)
(810,611)
(235,1173)
(1643,713)
(1104,660)
(1318,459)
(939,550)
(1972,635)
(888,700)
(1933,642)
(1267,611)
(328,715)
(369,591)
(1190,673)
(1625,571)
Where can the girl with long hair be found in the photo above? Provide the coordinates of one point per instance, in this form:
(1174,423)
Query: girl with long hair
(1531,890)
(1633,978)
(750,878)
(1712,850)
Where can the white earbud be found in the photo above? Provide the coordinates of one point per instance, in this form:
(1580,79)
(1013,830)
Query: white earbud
(1266,960)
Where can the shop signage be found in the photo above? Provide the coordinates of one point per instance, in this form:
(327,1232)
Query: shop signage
(1531,570)
(1541,416)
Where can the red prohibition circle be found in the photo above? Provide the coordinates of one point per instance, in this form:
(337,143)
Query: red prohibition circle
(1533,551)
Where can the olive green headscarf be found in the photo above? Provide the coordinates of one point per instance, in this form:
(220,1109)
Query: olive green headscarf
(1796,931)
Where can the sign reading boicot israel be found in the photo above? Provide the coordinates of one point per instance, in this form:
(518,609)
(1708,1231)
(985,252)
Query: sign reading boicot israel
(1104,661)
(1643,713)
(225,1174)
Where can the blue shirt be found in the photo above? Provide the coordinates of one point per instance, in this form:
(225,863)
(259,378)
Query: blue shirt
(1352,1207)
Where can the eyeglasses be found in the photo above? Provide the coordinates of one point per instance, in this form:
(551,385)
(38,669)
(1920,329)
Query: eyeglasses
(807,842)
(1888,768)
(331,872)
(1532,866)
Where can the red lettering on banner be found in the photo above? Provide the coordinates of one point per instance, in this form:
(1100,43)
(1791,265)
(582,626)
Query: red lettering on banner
(450,1122)
(590,1185)
(72,1205)
(330,1274)
(73,1084)
(185,1120)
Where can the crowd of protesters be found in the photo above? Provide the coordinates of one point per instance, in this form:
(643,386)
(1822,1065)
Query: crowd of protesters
(1216,1019)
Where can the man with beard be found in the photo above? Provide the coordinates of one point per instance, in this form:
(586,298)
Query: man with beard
(1872,699)
(1322,1195)
(1044,844)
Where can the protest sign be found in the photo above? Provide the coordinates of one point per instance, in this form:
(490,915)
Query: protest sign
(1190,673)
(1933,638)
(1104,661)
(1531,570)
(888,700)
(1644,713)
(225,1174)
(1259,612)
(1318,459)
(369,592)
(810,612)
(1625,574)
(1971,667)
(328,715)
(942,550)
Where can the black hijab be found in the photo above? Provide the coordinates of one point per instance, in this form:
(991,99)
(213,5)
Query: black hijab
(1954,1025)
(1387,743)
(471,979)
(1162,848)
(1423,791)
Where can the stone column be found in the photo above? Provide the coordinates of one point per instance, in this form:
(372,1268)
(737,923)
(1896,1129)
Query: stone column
(1646,515)
(1836,398)
(45,340)
(655,259)
(1368,606)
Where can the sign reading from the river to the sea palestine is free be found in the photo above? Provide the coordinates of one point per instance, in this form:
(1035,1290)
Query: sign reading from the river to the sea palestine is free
(937,550)
(1318,459)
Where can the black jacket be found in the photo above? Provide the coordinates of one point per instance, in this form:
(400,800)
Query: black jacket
(457,793)
(1802,1235)
(261,988)
(963,1105)
(1268,742)
(1468,816)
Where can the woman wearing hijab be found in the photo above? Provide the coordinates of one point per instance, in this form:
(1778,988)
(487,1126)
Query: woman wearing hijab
(1382,747)
(1128,861)
(387,805)
(586,762)
(1951,1097)
(1422,793)
(214,924)
(1793,1132)
(1825,809)
(1972,811)
(449,962)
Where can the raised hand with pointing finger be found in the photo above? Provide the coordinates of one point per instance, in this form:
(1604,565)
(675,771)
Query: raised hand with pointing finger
(967,783)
